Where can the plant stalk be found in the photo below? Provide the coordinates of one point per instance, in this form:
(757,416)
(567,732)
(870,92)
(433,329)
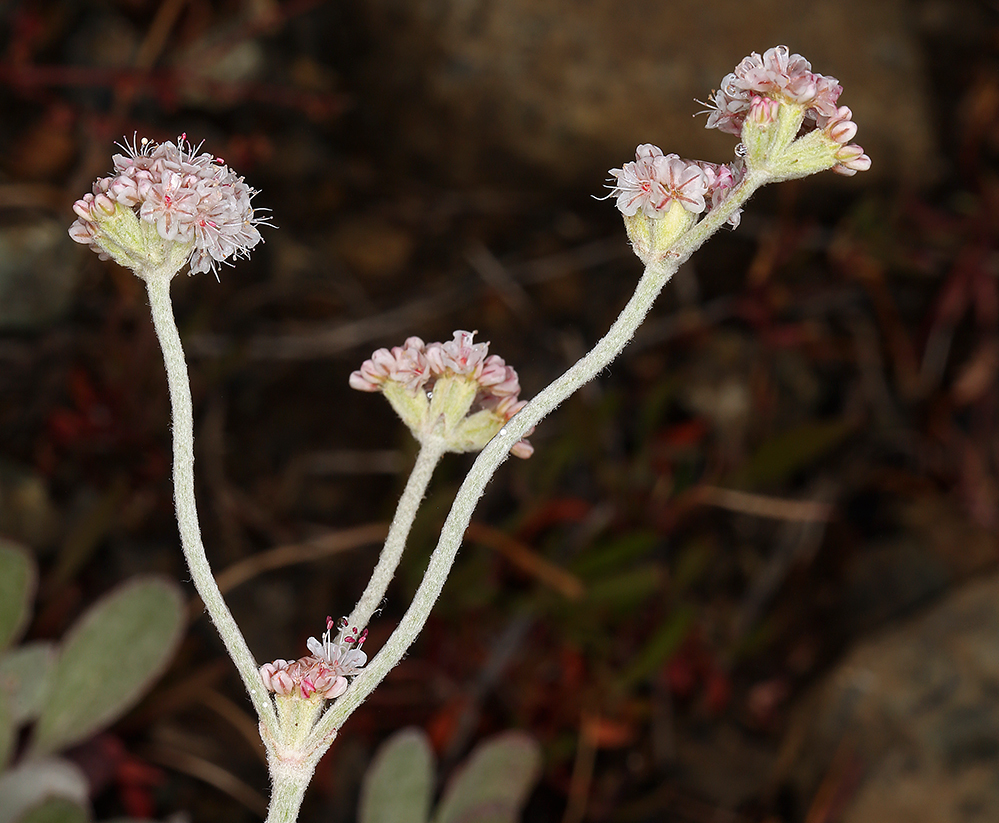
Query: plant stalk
(395,543)
(182,413)
(657,273)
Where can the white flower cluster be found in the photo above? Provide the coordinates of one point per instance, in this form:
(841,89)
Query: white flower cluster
(779,75)
(778,86)
(418,367)
(190,198)
(655,181)
(325,671)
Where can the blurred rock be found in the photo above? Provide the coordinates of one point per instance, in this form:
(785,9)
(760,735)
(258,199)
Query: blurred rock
(889,578)
(573,87)
(37,273)
(915,710)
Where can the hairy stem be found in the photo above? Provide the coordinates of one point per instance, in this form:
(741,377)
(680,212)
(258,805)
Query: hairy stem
(657,274)
(395,543)
(289,780)
(158,286)
(489,459)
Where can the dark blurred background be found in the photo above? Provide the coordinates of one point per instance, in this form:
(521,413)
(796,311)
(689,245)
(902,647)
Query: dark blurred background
(748,574)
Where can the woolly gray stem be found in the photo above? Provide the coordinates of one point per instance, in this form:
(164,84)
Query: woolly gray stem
(289,780)
(657,274)
(395,543)
(485,465)
(158,286)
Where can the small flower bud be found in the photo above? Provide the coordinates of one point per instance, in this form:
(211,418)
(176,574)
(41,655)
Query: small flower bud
(851,160)
(763,110)
(840,128)
(277,678)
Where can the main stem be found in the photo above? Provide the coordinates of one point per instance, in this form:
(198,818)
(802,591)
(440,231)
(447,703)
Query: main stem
(289,780)
(395,543)
(158,287)
(657,273)
(485,465)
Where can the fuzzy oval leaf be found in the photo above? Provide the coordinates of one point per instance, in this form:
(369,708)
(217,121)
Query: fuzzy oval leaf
(494,783)
(17,590)
(55,810)
(108,659)
(25,675)
(398,784)
(30,784)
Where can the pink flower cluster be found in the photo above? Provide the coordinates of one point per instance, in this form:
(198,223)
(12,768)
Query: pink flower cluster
(189,197)
(777,75)
(325,671)
(417,366)
(655,181)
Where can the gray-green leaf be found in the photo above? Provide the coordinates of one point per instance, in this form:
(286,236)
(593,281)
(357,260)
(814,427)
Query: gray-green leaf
(494,783)
(30,784)
(25,675)
(398,784)
(17,590)
(112,654)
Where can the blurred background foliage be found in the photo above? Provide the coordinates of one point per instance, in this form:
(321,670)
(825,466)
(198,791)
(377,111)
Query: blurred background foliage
(799,448)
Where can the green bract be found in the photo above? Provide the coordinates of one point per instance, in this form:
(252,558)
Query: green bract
(136,244)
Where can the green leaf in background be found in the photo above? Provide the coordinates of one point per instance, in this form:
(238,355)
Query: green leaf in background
(56,810)
(790,451)
(17,590)
(613,555)
(25,676)
(494,783)
(112,654)
(661,646)
(628,589)
(398,785)
(30,784)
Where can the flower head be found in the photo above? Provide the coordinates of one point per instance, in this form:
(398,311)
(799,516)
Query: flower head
(325,671)
(790,125)
(342,655)
(654,181)
(662,195)
(455,391)
(777,75)
(165,205)
(773,102)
